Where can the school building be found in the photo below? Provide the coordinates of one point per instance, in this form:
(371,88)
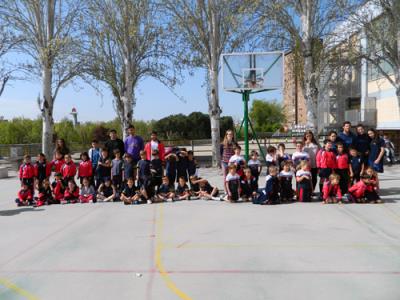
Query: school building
(357,93)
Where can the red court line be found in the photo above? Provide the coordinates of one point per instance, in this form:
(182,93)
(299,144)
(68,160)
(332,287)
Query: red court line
(222,271)
(62,228)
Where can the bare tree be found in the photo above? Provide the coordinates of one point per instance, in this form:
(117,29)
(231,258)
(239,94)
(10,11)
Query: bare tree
(305,26)
(49,33)
(378,22)
(7,42)
(127,41)
(205,29)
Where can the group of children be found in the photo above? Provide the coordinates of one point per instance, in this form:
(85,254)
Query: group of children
(109,177)
(343,173)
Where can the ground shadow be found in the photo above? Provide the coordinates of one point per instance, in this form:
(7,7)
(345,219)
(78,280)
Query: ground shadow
(13,212)
(394,192)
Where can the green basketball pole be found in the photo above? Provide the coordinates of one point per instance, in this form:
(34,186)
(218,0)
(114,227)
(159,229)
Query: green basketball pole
(245,97)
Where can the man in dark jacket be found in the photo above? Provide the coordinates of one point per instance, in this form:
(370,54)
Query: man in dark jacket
(114,143)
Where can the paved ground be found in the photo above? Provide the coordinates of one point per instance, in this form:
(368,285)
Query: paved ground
(201,250)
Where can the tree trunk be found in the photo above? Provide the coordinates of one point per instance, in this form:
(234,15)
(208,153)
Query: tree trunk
(127,113)
(309,88)
(214,112)
(47,114)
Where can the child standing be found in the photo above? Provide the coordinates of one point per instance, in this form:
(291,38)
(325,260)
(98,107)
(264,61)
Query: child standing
(248,185)
(182,165)
(285,180)
(182,190)
(282,155)
(107,191)
(272,158)
(232,184)
(270,194)
(326,162)
(331,191)
(342,164)
(25,196)
(103,167)
(237,160)
(42,169)
(94,156)
(57,162)
(304,183)
(85,169)
(117,166)
(170,167)
(68,170)
(156,169)
(144,171)
(191,164)
(166,192)
(88,193)
(71,194)
(356,165)
(27,173)
(299,155)
(127,168)
(255,165)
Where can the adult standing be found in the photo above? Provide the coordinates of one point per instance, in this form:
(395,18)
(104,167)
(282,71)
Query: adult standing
(154,144)
(61,147)
(377,151)
(226,149)
(133,144)
(114,143)
(334,139)
(311,146)
(362,143)
(346,135)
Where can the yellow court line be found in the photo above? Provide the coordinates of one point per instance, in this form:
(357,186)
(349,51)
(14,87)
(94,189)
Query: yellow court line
(8,284)
(158,257)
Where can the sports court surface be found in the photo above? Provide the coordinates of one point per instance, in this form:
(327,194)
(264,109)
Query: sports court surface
(201,250)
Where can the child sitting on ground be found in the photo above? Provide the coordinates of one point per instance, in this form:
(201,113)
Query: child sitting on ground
(331,190)
(25,196)
(285,180)
(374,180)
(130,194)
(58,188)
(304,183)
(270,194)
(207,191)
(182,190)
(358,190)
(45,195)
(88,193)
(71,194)
(232,184)
(248,186)
(166,192)
(107,191)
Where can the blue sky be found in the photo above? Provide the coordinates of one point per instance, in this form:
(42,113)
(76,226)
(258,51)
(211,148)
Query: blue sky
(154,101)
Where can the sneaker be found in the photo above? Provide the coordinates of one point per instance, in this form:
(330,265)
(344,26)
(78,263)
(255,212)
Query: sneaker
(63,202)
(216,198)
(149,201)
(136,202)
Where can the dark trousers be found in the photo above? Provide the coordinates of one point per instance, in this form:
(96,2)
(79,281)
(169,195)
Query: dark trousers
(344,179)
(314,177)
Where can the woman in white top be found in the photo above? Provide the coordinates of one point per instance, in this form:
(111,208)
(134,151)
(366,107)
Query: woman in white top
(311,146)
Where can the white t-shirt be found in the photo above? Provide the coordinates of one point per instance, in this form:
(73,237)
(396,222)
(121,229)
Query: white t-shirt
(154,146)
(299,156)
(236,159)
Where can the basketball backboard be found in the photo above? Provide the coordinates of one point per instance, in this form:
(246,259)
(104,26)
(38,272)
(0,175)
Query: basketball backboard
(252,71)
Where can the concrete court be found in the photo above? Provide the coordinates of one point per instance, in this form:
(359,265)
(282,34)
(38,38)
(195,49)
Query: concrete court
(201,250)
